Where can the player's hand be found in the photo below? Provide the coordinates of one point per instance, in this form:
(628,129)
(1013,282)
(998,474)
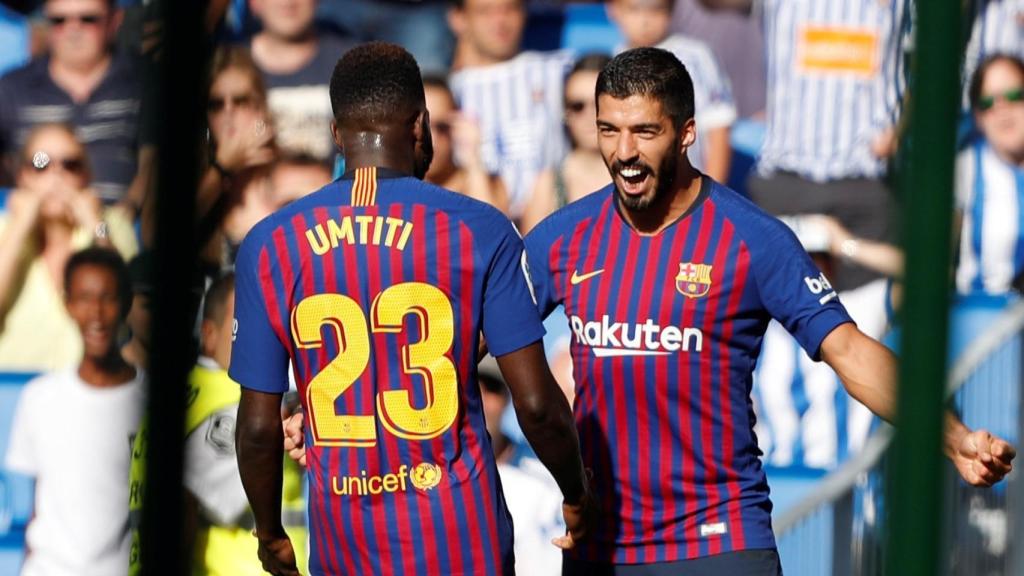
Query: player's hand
(983,459)
(277,556)
(580,521)
(293,439)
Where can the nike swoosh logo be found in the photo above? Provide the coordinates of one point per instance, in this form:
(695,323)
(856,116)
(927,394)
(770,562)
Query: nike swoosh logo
(577,277)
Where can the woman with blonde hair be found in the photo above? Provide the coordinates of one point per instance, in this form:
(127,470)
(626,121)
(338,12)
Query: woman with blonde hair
(50,214)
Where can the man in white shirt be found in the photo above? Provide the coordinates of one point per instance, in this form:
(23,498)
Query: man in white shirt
(73,430)
(516,97)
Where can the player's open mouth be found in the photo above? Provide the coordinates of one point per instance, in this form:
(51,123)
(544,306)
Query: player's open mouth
(633,179)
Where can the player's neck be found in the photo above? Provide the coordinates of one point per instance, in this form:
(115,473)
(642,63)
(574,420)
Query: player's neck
(383,149)
(666,210)
(106,371)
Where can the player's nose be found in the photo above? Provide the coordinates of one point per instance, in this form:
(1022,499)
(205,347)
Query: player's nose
(625,148)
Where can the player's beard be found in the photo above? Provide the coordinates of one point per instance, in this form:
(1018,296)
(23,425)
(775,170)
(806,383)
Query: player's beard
(665,176)
(424,151)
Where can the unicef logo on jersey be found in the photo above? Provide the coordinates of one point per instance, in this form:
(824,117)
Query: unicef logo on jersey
(424,476)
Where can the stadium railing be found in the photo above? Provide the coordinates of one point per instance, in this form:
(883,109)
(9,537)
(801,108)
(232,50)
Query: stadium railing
(838,528)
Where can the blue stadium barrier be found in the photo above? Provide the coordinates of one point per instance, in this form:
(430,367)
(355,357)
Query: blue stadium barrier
(16,490)
(839,526)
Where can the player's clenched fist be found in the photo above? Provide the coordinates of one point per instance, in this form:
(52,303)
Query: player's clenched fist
(294,445)
(277,556)
(983,459)
(580,520)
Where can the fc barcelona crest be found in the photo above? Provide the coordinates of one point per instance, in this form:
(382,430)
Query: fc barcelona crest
(693,280)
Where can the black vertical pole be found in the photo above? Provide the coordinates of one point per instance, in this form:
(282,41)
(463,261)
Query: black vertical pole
(178,103)
(917,472)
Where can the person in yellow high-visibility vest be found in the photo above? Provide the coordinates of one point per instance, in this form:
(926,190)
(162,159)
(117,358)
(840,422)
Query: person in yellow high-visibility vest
(223,541)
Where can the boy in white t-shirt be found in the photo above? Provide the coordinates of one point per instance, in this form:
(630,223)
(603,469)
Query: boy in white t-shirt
(73,431)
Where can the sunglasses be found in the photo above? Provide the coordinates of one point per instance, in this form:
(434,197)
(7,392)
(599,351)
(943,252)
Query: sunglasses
(41,162)
(1010,96)
(576,106)
(85,19)
(217,104)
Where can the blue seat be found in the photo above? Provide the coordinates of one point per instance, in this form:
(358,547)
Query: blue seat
(16,490)
(587,29)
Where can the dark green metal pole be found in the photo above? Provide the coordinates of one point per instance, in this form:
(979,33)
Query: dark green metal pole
(916,485)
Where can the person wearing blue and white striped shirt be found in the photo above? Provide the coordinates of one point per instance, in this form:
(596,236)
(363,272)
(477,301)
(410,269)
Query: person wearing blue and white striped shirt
(516,97)
(835,85)
(835,80)
(646,23)
(990,181)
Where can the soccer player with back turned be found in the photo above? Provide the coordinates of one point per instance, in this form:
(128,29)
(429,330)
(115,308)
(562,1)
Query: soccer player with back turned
(376,288)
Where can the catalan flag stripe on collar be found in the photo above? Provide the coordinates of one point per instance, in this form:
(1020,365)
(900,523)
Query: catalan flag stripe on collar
(364,189)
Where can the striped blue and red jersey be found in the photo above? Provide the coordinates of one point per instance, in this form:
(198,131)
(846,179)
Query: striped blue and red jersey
(666,331)
(376,288)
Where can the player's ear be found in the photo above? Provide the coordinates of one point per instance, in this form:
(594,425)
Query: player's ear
(336,134)
(687,134)
(421,127)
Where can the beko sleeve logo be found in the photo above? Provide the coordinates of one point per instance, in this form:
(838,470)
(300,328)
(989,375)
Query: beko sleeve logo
(819,285)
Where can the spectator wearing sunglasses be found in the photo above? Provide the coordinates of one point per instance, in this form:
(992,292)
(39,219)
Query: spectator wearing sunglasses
(457,136)
(990,180)
(236,191)
(81,82)
(51,214)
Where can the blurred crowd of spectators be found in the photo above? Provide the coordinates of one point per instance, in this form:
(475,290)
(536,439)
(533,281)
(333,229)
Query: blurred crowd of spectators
(822,85)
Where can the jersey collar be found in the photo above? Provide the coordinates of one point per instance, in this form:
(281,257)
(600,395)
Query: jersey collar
(381,173)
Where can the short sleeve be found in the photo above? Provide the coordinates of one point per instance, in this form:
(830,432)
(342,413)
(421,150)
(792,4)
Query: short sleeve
(21,450)
(537,246)
(793,290)
(211,471)
(259,360)
(510,319)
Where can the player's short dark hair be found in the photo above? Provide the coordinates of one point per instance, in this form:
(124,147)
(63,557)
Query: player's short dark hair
(215,304)
(102,258)
(376,84)
(974,88)
(650,72)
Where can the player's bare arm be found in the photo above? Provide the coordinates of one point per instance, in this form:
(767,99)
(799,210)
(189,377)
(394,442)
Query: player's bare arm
(259,444)
(546,419)
(868,372)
